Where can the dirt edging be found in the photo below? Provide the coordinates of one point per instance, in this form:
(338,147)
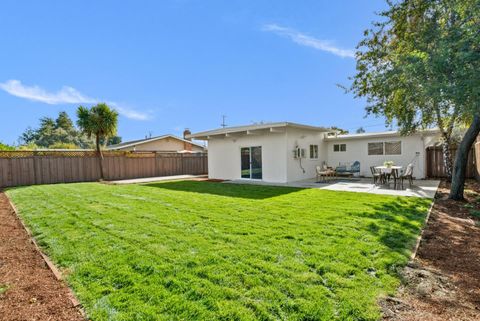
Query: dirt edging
(425,223)
(56,272)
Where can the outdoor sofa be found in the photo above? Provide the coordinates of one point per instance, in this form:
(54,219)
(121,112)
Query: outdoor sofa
(348,170)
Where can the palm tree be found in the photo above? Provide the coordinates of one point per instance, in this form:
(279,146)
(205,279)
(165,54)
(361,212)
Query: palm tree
(99,121)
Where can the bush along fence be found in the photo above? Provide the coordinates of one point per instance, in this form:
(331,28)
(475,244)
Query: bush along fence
(19,168)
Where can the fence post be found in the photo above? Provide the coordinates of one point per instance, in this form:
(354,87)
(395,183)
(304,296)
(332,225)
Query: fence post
(183,164)
(35,177)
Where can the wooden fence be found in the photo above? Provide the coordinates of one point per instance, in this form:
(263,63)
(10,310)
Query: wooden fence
(436,167)
(47,167)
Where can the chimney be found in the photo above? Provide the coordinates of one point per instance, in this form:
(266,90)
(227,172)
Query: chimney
(185,133)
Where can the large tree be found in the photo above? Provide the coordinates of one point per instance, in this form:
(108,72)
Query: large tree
(63,121)
(55,134)
(419,67)
(99,121)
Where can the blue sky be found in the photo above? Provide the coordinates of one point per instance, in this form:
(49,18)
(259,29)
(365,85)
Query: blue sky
(167,65)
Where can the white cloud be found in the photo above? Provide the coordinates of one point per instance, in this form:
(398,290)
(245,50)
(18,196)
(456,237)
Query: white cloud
(309,41)
(130,113)
(66,95)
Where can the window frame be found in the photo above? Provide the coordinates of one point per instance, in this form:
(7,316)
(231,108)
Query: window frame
(371,143)
(339,148)
(390,142)
(314,150)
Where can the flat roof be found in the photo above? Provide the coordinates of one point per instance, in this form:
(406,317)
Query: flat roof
(392,133)
(205,135)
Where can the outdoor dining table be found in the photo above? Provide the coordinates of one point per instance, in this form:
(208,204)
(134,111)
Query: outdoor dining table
(388,169)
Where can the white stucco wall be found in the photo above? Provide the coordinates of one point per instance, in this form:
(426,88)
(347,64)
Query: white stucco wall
(280,166)
(413,151)
(303,139)
(224,156)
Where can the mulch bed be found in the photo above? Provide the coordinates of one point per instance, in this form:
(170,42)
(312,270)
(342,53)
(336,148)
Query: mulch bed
(28,288)
(443,282)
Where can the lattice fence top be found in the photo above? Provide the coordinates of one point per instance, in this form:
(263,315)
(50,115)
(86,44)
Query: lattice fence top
(91,153)
(28,153)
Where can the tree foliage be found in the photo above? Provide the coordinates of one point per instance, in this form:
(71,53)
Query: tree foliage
(100,122)
(338,130)
(111,141)
(6,147)
(360,130)
(63,146)
(420,66)
(54,133)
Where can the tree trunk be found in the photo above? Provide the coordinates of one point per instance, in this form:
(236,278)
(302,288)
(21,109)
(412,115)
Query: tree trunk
(447,158)
(100,157)
(460,166)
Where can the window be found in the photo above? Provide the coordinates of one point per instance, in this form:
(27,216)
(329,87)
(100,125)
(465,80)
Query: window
(313,151)
(393,148)
(375,148)
(385,148)
(339,147)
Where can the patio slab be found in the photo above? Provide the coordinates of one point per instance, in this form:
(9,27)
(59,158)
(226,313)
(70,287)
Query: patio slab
(420,188)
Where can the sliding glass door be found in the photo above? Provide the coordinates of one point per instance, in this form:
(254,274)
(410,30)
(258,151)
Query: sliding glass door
(245,155)
(251,162)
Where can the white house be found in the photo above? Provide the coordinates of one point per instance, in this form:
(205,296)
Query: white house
(287,152)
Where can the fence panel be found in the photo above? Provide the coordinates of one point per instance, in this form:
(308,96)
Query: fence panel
(436,167)
(48,167)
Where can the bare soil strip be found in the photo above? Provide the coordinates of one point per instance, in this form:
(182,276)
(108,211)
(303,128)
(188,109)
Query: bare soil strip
(443,281)
(28,288)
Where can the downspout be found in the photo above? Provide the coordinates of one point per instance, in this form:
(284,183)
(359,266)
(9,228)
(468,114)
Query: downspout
(300,163)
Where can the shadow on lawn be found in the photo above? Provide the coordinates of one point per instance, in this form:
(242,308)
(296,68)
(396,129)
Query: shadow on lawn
(397,223)
(229,190)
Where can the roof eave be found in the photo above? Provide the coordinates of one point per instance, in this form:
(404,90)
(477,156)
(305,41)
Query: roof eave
(206,135)
(380,135)
(136,143)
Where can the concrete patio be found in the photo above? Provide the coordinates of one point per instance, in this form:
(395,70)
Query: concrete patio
(420,188)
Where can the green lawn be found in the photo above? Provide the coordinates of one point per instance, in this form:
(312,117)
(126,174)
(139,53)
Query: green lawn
(211,251)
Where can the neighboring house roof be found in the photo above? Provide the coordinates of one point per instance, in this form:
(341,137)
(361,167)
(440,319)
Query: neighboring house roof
(148,140)
(239,129)
(433,131)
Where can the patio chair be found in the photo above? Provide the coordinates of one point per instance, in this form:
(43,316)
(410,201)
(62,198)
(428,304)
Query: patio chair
(396,179)
(355,169)
(407,175)
(378,176)
(324,172)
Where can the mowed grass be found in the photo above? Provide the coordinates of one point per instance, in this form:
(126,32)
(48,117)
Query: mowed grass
(211,251)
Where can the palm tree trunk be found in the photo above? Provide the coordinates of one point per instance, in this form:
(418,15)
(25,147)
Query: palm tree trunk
(460,166)
(100,157)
